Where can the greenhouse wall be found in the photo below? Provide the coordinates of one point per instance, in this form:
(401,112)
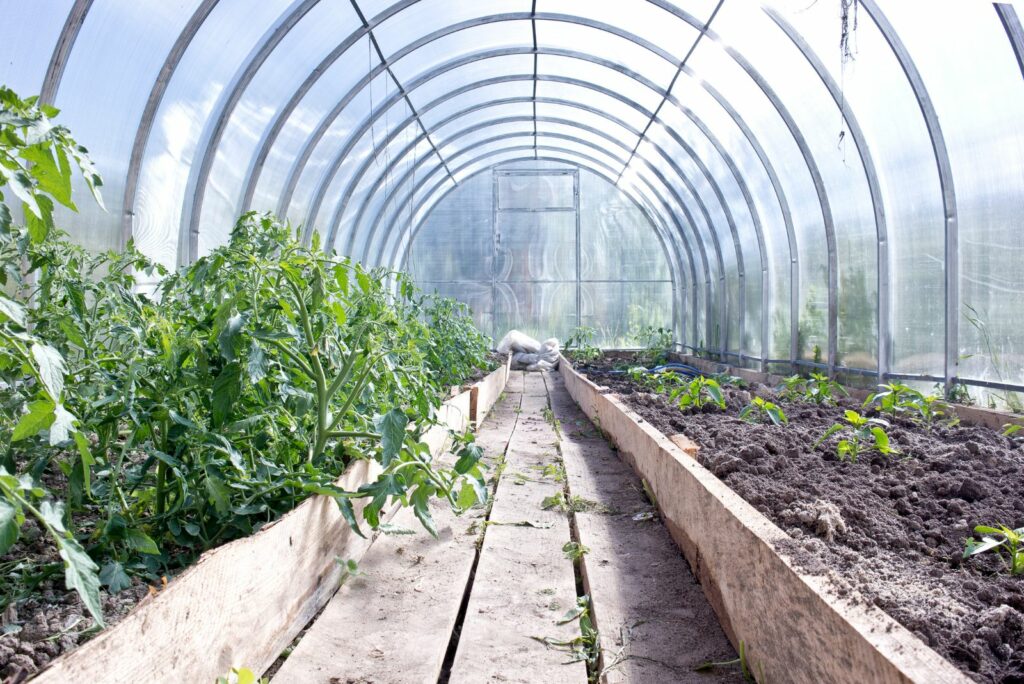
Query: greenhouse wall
(785,184)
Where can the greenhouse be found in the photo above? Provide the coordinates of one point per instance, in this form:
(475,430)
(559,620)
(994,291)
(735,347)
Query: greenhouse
(511,341)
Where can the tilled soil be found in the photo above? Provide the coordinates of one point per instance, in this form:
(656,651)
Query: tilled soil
(890,530)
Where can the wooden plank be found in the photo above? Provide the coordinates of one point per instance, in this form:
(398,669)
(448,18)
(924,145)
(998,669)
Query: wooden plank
(406,603)
(779,614)
(392,623)
(654,622)
(240,604)
(523,583)
(487,391)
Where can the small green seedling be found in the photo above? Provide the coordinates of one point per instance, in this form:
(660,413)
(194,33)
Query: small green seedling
(1011,428)
(865,435)
(241,675)
(822,389)
(698,393)
(928,409)
(760,410)
(580,347)
(792,388)
(894,398)
(1008,543)
(656,343)
(574,550)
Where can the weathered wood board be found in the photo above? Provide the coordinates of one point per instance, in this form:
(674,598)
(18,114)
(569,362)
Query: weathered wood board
(523,584)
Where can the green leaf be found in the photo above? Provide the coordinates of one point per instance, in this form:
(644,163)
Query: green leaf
(363,280)
(421,507)
(467,496)
(39,225)
(219,495)
(828,433)
(881,440)
(391,427)
(39,417)
(51,368)
(12,310)
(52,171)
(82,442)
(141,542)
(80,574)
(53,514)
(63,425)
(227,336)
(9,526)
(257,363)
(1011,428)
(348,512)
(227,387)
(114,578)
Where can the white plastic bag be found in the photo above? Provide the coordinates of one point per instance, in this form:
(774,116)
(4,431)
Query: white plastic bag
(528,353)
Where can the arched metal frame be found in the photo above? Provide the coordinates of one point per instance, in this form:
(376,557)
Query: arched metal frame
(591,164)
(80,9)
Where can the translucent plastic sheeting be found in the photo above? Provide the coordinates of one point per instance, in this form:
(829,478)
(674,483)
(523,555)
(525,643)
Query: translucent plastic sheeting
(28,37)
(101,102)
(232,30)
(309,41)
(534,274)
(984,142)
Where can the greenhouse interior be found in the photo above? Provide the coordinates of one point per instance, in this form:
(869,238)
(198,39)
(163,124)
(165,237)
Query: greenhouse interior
(450,341)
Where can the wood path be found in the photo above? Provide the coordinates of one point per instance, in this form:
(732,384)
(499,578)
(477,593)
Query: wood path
(493,599)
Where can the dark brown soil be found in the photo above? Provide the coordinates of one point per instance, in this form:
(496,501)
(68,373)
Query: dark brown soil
(890,529)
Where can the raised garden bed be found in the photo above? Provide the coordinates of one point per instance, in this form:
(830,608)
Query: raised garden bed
(807,608)
(241,604)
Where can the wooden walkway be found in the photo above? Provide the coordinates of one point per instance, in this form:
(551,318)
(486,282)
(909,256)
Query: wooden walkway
(496,597)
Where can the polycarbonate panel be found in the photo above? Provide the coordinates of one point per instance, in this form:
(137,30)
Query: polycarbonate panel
(616,139)
(304,47)
(633,114)
(325,94)
(348,121)
(760,114)
(438,111)
(535,246)
(216,52)
(984,142)
(423,90)
(28,37)
(458,43)
(458,141)
(530,191)
(427,16)
(644,19)
(456,241)
(619,310)
(102,95)
(630,55)
(792,77)
(616,240)
(611,79)
(541,310)
(522,110)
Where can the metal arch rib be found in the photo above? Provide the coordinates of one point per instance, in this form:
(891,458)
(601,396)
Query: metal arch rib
(411,195)
(281,117)
(195,188)
(730,163)
(657,173)
(665,207)
(874,186)
(931,119)
(1014,30)
(156,96)
(593,166)
(62,51)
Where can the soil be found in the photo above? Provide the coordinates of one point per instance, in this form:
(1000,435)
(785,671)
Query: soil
(889,530)
(53,620)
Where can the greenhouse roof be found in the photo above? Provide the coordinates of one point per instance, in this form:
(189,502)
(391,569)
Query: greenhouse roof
(835,184)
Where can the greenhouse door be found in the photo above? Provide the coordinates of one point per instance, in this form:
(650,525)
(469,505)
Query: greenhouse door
(535,282)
